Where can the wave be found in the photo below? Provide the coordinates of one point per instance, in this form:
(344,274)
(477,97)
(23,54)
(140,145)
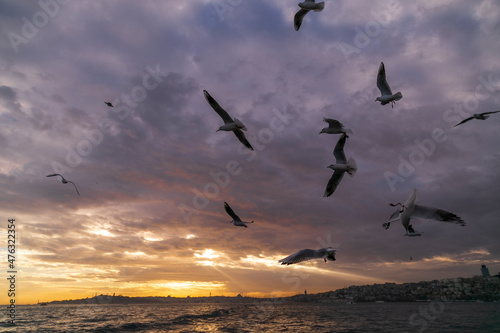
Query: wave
(189,318)
(185,319)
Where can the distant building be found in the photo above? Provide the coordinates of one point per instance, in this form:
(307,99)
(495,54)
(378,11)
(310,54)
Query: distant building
(485,271)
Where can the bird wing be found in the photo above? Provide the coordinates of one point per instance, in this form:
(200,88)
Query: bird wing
(394,216)
(338,151)
(430,213)
(463,121)
(297,20)
(333,182)
(484,113)
(220,111)
(55,174)
(299,256)
(382,84)
(231,212)
(69,181)
(332,123)
(243,139)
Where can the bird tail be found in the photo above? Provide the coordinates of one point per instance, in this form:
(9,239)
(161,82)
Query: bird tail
(351,167)
(239,124)
(348,130)
(320,7)
(398,96)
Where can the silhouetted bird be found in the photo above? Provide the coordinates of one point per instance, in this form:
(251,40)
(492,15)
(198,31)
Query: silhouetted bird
(64,181)
(480,116)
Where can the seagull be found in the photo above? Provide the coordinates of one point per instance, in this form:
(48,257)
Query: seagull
(236,219)
(334,127)
(409,210)
(327,253)
(109,104)
(385,90)
(229,124)
(342,165)
(481,116)
(305,7)
(64,181)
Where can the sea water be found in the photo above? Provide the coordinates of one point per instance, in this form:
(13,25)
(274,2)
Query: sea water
(258,316)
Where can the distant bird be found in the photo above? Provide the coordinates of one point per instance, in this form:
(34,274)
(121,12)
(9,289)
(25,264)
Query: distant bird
(64,181)
(481,116)
(305,7)
(109,104)
(342,165)
(409,210)
(326,253)
(334,127)
(236,219)
(411,258)
(385,90)
(229,124)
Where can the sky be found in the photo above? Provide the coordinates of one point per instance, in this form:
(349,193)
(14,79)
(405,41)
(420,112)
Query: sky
(154,174)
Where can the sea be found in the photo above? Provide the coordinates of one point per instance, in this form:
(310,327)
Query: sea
(258,316)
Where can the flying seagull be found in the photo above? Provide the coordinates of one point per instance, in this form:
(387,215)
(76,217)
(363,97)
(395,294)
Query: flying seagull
(64,181)
(229,124)
(109,104)
(334,127)
(305,7)
(326,253)
(385,90)
(342,165)
(409,210)
(236,219)
(481,116)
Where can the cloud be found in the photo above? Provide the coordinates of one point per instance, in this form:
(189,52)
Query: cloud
(157,150)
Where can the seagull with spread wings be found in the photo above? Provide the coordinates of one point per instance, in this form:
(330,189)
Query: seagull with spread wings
(64,181)
(326,253)
(342,166)
(385,90)
(410,210)
(235,125)
(480,116)
(334,127)
(236,219)
(306,7)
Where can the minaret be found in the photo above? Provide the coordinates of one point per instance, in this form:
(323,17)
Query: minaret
(485,271)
